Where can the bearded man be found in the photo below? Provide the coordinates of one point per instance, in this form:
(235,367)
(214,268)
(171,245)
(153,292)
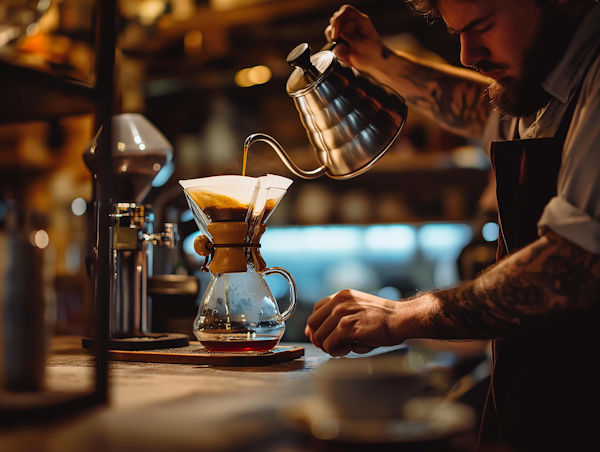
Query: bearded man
(537,103)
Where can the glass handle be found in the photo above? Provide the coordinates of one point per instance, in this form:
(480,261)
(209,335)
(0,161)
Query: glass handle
(283,272)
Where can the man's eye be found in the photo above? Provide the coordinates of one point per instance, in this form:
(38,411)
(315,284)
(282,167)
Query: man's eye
(485,29)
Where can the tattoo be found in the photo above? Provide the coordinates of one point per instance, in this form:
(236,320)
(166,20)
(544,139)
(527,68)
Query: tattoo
(457,102)
(540,282)
(385,52)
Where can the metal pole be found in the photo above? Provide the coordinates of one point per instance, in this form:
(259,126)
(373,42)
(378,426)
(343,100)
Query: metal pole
(106,41)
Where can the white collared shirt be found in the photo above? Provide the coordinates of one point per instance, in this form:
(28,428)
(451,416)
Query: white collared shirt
(575,212)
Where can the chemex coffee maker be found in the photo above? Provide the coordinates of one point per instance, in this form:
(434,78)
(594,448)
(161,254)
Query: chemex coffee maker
(238,312)
(140,151)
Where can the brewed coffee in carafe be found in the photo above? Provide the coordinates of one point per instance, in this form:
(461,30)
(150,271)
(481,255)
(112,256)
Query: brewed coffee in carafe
(238,312)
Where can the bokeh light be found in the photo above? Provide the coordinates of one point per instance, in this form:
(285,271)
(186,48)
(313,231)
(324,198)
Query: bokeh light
(79,206)
(256,75)
(490,232)
(41,239)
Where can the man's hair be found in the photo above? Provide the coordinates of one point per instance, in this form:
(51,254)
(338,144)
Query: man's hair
(429,9)
(426,8)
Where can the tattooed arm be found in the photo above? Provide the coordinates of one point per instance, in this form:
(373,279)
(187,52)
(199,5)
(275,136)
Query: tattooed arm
(548,278)
(539,282)
(454,97)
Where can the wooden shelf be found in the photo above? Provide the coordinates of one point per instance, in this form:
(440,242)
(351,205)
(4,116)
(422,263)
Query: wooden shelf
(28,94)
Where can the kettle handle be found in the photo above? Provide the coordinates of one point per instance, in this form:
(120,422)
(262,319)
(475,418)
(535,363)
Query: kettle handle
(283,272)
(284,157)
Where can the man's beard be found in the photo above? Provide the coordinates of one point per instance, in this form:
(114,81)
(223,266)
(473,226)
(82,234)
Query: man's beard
(522,97)
(517,98)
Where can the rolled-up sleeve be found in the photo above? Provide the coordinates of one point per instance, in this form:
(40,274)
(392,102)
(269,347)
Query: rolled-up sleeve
(575,212)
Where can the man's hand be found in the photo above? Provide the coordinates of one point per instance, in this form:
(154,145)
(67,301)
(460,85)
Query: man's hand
(364,42)
(352,321)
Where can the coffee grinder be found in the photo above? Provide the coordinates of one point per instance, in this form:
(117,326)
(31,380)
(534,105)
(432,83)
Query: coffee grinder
(140,151)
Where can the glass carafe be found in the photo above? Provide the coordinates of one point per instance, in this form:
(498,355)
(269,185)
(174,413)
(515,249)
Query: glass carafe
(238,312)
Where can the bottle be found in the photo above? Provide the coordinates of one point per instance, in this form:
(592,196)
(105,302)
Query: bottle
(25,307)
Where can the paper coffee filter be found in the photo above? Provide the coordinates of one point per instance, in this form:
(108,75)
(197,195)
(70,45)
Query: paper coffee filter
(270,191)
(276,188)
(234,198)
(274,181)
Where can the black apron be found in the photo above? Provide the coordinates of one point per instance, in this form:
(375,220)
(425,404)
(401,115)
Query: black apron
(545,389)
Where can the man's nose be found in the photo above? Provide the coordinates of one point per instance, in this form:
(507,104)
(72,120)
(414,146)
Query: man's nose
(472,49)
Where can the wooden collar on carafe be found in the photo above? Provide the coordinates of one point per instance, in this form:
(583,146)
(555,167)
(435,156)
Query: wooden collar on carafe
(226,254)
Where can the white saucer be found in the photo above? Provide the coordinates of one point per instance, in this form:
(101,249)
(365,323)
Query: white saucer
(425,420)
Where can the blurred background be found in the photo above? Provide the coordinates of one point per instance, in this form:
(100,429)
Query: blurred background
(208,73)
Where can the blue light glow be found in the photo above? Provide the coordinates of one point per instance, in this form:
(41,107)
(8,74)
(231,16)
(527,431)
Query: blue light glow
(186,216)
(490,232)
(443,241)
(395,254)
(312,239)
(332,238)
(394,238)
(188,245)
(437,241)
(163,175)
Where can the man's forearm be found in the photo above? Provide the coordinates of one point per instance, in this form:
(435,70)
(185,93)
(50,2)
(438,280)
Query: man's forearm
(540,282)
(456,98)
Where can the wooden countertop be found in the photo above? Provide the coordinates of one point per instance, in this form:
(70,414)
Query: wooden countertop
(172,407)
(166,407)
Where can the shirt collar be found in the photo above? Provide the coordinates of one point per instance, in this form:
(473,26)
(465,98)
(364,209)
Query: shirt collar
(564,77)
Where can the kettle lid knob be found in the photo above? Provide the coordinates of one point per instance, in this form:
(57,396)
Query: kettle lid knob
(300,57)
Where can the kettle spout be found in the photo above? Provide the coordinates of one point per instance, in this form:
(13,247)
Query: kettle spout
(284,157)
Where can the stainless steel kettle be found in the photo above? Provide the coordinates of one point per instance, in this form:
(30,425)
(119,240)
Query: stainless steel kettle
(351,120)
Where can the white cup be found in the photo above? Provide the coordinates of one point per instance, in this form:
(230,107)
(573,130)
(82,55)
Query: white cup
(370,388)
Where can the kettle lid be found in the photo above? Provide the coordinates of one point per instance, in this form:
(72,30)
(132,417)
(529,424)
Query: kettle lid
(310,70)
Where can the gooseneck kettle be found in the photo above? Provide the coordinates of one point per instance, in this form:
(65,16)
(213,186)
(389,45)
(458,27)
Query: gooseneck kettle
(351,120)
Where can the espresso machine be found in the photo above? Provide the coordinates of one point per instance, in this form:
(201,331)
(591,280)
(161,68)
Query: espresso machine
(140,151)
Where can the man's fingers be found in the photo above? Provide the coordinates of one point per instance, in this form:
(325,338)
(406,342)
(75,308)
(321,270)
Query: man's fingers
(346,14)
(336,343)
(328,326)
(321,312)
(348,32)
(329,33)
(342,350)
(318,305)
(336,348)
(362,349)
(343,52)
